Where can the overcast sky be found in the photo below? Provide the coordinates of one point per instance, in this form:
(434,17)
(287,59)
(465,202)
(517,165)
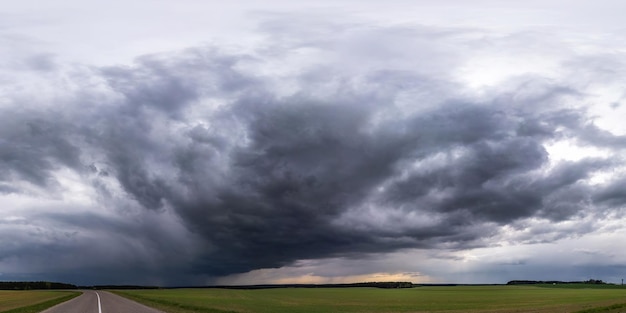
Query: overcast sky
(204,142)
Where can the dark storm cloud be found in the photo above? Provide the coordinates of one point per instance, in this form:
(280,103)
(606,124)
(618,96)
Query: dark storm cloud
(348,164)
(153,83)
(34,144)
(264,180)
(613,195)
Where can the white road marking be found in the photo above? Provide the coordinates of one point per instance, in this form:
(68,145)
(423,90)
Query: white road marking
(99,307)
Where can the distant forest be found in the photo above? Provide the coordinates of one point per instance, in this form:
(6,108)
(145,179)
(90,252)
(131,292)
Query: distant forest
(28,285)
(384,285)
(535,282)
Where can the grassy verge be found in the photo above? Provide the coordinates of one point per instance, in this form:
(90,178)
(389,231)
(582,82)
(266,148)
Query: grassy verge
(168,306)
(615,308)
(62,296)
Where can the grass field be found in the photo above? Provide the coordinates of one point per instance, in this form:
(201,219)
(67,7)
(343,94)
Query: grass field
(419,299)
(32,301)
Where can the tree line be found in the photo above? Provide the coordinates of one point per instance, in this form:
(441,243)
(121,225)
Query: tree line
(535,282)
(28,285)
(384,285)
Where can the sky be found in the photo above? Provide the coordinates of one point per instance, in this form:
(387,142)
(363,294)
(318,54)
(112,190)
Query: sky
(203,142)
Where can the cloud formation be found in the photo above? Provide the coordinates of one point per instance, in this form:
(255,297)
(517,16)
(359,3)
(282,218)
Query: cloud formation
(206,163)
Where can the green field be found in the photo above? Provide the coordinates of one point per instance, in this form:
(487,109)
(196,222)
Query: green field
(419,299)
(32,301)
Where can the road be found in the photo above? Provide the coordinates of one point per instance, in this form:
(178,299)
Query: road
(100,302)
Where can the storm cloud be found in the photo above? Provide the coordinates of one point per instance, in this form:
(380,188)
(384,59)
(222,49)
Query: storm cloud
(206,162)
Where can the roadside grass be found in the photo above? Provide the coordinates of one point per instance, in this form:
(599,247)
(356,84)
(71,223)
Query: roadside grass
(169,306)
(615,308)
(32,301)
(419,299)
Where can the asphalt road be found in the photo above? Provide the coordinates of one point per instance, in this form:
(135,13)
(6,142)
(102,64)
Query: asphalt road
(100,302)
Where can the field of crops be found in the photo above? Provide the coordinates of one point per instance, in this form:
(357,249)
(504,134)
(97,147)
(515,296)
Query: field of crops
(26,301)
(419,299)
